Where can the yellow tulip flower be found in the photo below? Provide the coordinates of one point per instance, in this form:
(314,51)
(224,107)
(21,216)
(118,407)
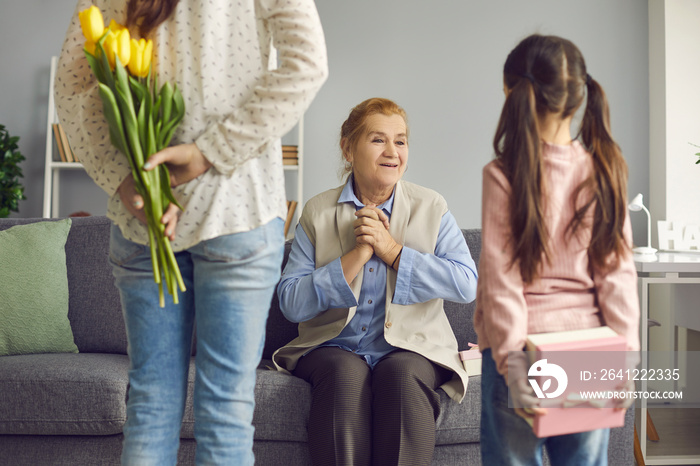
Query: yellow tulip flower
(117,44)
(124,46)
(110,47)
(90,47)
(92,23)
(115,27)
(141,53)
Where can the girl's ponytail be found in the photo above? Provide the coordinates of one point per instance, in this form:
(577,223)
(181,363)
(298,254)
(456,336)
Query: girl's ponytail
(608,184)
(517,148)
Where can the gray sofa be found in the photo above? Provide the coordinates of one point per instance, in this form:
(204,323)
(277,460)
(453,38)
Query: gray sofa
(69,409)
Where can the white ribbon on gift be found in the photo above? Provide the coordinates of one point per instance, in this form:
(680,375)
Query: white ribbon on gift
(574,400)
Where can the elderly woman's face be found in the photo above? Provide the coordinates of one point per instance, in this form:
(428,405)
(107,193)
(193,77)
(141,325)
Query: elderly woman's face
(379,159)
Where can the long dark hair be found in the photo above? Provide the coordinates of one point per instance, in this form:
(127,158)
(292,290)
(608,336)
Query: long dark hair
(547,74)
(147,15)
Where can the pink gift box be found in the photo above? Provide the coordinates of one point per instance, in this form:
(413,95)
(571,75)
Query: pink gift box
(575,351)
(561,421)
(471,359)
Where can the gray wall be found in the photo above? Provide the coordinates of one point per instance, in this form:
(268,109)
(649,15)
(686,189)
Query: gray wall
(440,59)
(31,31)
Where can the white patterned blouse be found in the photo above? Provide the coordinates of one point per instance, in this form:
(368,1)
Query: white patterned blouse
(238,103)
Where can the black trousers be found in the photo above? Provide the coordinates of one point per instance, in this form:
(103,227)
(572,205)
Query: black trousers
(363,416)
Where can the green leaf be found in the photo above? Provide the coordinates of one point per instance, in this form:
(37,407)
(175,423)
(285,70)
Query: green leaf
(131,130)
(138,88)
(166,94)
(142,125)
(124,97)
(104,64)
(95,66)
(152,146)
(167,189)
(179,112)
(114,119)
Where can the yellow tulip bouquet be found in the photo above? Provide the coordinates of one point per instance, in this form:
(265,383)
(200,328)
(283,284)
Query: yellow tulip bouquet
(142,120)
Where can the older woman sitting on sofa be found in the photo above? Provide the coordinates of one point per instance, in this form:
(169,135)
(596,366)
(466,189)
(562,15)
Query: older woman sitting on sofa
(371,262)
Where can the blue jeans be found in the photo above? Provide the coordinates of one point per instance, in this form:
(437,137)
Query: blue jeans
(230,281)
(507,439)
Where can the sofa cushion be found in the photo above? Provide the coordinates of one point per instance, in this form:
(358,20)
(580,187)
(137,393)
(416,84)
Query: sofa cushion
(460,422)
(63,394)
(282,404)
(279,330)
(94,308)
(34,291)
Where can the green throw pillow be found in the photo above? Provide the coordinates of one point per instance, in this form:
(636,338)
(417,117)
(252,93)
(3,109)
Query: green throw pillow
(34,289)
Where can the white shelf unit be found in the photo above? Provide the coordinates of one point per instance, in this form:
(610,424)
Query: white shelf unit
(53,168)
(296,172)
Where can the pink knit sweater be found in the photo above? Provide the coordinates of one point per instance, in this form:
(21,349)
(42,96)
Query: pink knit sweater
(569,294)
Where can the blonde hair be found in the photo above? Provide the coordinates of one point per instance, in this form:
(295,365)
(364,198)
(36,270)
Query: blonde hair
(355,126)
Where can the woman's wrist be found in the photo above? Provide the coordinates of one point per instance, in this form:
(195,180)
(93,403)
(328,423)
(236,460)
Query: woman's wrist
(353,261)
(395,263)
(392,257)
(365,252)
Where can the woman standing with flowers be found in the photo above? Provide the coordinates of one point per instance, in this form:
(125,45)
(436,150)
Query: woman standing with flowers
(226,171)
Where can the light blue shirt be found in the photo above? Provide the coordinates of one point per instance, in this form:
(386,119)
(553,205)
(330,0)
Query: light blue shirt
(306,291)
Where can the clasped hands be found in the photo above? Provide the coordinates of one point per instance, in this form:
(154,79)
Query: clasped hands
(185,163)
(372,235)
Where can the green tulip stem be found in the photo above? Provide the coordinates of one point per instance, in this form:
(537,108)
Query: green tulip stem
(154,257)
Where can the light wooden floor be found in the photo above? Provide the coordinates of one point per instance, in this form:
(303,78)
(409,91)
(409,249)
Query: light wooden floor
(679,431)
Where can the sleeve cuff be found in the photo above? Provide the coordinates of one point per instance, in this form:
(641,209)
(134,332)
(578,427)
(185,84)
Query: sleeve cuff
(403,276)
(209,144)
(331,279)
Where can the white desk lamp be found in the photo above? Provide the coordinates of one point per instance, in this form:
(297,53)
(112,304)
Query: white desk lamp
(636,205)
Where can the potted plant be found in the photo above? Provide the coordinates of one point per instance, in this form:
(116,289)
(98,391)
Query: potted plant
(697,162)
(11,191)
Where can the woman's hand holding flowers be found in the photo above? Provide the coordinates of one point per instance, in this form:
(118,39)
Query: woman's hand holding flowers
(134,204)
(185,162)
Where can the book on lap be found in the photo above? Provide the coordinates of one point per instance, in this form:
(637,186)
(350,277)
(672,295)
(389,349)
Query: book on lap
(471,359)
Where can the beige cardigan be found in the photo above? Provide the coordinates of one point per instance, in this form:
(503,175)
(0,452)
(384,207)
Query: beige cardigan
(422,328)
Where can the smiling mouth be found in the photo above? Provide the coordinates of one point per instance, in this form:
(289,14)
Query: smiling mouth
(390,165)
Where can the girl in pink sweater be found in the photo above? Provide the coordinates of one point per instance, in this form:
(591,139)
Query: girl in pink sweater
(555,242)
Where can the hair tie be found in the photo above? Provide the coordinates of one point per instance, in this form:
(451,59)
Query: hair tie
(529,77)
(588,79)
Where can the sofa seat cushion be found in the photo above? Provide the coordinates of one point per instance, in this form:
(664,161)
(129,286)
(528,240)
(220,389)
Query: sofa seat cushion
(282,404)
(460,422)
(63,394)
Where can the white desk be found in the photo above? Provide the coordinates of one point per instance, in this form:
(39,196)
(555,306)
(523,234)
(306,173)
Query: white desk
(661,268)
